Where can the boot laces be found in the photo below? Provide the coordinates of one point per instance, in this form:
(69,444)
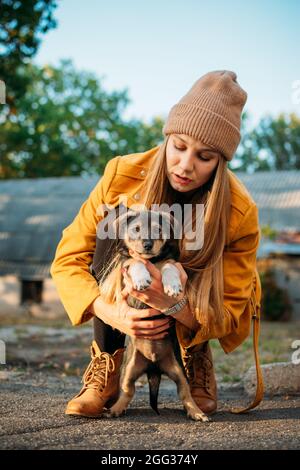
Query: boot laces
(197,368)
(96,374)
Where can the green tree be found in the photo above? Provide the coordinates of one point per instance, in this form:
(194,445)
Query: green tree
(279,140)
(67,124)
(243,158)
(274,144)
(21,28)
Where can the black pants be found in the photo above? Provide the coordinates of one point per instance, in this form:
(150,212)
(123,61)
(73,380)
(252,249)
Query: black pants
(108,339)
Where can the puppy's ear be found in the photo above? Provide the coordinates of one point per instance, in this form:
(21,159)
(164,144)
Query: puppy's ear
(121,222)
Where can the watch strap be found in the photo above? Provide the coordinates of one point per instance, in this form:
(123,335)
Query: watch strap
(176,307)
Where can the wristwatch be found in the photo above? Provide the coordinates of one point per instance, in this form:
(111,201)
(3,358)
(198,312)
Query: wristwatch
(177,307)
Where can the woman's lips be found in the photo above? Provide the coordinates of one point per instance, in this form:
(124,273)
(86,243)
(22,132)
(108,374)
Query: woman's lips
(181,180)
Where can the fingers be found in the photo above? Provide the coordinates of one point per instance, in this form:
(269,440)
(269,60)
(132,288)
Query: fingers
(152,325)
(138,314)
(151,332)
(154,329)
(126,277)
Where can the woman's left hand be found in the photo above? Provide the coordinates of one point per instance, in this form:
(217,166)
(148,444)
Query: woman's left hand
(154,295)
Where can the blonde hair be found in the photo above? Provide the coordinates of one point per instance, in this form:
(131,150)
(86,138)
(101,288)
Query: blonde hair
(204,267)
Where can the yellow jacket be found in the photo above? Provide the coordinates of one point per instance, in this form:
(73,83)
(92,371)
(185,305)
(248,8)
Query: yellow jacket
(124,175)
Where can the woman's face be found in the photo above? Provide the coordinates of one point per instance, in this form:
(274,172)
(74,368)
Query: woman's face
(189,158)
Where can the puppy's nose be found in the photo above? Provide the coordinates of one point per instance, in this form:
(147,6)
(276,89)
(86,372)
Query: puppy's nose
(147,244)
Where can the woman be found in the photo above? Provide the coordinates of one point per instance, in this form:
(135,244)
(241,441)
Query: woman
(202,133)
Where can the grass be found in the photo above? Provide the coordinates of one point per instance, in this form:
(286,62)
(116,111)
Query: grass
(26,319)
(274,346)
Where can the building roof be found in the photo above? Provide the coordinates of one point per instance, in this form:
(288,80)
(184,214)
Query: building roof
(277,195)
(33,213)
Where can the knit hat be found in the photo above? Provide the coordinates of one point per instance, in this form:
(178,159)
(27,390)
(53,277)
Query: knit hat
(211,112)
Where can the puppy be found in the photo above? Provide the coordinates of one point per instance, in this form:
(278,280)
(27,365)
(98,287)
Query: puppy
(150,235)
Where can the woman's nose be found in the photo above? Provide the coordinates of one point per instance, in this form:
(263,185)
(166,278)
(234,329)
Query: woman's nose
(186,162)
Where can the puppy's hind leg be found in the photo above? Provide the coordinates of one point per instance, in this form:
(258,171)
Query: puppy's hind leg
(136,366)
(170,367)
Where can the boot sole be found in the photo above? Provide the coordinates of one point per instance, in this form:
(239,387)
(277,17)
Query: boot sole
(83,415)
(209,413)
(107,405)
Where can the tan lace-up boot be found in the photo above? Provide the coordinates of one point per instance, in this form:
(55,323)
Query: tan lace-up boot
(199,369)
(100,384)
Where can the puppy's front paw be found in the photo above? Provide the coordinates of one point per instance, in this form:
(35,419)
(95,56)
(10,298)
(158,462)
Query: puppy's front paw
(173,290)
(140,276)
(141,284)
(171,280)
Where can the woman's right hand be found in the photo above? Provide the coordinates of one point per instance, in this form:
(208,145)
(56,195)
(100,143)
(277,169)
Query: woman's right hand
(131,321)
(139,323)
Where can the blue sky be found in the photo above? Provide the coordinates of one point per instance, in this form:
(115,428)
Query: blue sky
(159,48)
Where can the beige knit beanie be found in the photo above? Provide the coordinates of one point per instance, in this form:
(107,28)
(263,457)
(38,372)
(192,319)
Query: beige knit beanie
(211,112)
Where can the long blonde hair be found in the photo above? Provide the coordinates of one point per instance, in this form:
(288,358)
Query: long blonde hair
(204,267)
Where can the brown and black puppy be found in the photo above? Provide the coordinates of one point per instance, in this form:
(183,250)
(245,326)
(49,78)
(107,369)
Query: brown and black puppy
(150,235)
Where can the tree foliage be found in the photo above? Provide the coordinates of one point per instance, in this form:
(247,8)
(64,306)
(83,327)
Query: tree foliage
(274,144)
(61,122)
(67,124)
(22,26)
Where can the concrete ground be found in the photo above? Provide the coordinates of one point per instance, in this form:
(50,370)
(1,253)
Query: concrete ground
(32,416)
(45,359)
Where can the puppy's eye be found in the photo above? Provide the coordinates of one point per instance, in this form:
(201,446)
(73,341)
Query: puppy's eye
(135,228)
(134,231)
(156,231)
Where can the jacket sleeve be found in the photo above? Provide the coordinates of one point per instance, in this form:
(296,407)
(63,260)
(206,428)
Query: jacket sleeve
(239,265)
(76,286)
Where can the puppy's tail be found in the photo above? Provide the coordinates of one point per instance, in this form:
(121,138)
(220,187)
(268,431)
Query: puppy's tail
(154,377)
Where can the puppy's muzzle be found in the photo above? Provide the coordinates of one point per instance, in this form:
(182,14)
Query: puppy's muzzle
(147,245)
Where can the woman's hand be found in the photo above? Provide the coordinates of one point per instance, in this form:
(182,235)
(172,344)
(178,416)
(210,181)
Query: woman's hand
(154,295)
(131,321)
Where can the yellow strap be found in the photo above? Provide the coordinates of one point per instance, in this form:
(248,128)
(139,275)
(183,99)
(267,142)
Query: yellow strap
(259,377)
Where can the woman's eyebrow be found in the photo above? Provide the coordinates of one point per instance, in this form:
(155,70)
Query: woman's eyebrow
(212,152)
(207,149)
